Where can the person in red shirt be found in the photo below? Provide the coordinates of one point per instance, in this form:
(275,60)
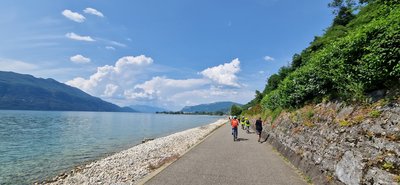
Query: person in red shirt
(234,123)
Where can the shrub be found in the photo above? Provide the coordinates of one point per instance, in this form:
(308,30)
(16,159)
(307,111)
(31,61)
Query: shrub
(344,123)
(375,113)
(345,63)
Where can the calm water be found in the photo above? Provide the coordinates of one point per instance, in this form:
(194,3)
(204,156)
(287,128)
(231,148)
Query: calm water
(35,145)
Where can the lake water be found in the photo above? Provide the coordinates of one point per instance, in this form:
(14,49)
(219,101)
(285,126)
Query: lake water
(36,145)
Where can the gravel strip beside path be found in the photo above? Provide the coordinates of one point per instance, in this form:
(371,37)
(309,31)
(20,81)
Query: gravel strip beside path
(129,166)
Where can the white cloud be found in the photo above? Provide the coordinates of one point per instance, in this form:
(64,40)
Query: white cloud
(268,58)
(42,69)
(74,36)
(93,12)
(115,43)
(73,16)
(79,59)
(110,48)
(129,82)
(16,66)
(224,74)
(161,87)
(123,75)
(110,90)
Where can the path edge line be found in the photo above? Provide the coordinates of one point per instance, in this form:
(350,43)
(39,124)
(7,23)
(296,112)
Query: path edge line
(164,166)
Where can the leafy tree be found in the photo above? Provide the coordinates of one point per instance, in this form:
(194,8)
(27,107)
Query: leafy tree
(236,110)
(344,16)
(296,61)
(258,96)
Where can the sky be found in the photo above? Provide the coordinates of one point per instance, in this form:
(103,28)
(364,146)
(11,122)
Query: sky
(168,54)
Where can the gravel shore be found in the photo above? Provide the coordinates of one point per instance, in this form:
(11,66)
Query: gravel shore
(131,165)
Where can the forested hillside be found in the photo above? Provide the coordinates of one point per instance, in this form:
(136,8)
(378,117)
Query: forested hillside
(25,92)
(358,54)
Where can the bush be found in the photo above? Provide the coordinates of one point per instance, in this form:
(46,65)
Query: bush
(346,63)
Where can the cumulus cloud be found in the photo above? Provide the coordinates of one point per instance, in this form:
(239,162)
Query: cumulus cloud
(268,58)
(110,90)
(93,12)
(122,75)
(73,16)
(74,36)
(128,82)
(79,59)
(161,87)
(224,74)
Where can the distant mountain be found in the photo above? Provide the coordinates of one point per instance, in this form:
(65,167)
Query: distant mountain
(25,92)
(212,107)
(146,108)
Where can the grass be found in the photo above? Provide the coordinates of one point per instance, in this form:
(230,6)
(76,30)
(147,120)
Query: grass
(387,166)
(308,124)
(329,178)
(309,114)
(375,113)
(397,179)
(344,123)
(309,180)
(275,114)
(358,119)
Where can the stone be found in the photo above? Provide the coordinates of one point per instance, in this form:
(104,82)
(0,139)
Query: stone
(350,167)
(344,113)
(378,176)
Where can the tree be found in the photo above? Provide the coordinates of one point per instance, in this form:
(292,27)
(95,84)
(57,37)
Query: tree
(258,96)
(344,16)
(296,61)
(236,110)
(350,4)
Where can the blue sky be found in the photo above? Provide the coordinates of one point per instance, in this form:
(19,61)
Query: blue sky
(162,53)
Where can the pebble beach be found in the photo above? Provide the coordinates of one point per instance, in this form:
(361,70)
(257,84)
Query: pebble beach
(132,165)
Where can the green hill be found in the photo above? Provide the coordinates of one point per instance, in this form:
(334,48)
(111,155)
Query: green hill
(224,107)
(147,109)
(25,92)
(358,54)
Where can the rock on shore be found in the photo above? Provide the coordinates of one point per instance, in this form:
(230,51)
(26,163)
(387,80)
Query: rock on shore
(129,166)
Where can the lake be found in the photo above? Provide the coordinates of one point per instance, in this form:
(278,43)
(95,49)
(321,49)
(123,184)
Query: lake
(37,145)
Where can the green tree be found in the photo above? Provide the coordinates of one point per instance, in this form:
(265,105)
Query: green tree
(236,110)
(258,96)
(344,16)
(297,61)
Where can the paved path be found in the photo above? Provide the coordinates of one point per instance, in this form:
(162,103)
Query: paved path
(219,160)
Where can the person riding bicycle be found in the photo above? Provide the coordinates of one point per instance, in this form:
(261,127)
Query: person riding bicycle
(234,123)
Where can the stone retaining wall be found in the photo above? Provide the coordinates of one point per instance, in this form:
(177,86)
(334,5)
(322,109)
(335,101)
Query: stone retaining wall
(337,144)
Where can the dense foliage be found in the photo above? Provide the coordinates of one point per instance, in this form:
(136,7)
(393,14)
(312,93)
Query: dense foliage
(236,110)
(357,54)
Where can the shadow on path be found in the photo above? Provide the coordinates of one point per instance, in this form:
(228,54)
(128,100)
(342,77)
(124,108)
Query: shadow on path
(266,138)
(241,139)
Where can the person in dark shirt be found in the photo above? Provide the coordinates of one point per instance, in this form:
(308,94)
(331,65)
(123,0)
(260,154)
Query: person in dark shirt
(259,128)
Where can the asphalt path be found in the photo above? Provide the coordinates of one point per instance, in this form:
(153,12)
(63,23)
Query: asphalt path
(220,160)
